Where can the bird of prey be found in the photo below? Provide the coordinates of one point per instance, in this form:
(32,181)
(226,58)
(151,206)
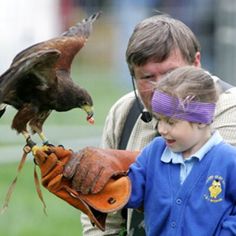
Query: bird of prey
(38,81)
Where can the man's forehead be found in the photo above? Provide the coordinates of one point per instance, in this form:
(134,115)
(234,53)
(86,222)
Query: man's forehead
(173,61)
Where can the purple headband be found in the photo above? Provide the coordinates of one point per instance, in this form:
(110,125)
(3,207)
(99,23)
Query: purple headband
(193,111)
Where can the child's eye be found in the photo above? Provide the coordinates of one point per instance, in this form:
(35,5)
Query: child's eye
(171,121)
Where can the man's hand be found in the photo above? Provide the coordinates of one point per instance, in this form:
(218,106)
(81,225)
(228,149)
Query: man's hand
(92,168)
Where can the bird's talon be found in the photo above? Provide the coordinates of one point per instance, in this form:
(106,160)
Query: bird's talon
(44,148)
(36,148)
(46,143)
(49,144)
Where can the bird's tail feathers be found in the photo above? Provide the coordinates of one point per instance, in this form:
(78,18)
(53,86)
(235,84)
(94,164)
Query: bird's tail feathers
(82,28)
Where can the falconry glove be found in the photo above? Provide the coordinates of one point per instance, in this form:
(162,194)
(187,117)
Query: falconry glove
(52,160)
(92,168)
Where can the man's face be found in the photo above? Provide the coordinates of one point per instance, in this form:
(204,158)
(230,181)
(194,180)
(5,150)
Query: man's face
(151,72)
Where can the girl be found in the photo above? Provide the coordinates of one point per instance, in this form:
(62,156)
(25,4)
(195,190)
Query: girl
(186,179)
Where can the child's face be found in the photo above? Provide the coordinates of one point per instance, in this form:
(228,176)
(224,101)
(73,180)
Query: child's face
(151,72)
(183,136)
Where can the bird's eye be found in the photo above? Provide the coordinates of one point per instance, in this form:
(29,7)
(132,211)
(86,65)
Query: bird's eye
(85,103)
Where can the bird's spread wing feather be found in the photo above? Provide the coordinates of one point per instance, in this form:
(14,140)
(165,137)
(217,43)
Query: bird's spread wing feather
(39,62)
(26,52)
(84,28)
(69,43)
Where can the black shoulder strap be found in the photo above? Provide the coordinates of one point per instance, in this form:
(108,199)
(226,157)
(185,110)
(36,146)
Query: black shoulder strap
(132,116)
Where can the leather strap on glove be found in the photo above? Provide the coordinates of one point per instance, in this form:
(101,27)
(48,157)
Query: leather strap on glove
(52,160)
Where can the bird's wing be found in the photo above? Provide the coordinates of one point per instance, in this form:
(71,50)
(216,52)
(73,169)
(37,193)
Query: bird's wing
(49,58)
(71,41)
(69,44)
(26,52)
(39,63)
(83,28)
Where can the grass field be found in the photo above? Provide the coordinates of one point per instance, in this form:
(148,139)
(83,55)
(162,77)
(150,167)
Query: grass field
(25,216)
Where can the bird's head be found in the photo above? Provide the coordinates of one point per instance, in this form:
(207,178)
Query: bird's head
(85,102)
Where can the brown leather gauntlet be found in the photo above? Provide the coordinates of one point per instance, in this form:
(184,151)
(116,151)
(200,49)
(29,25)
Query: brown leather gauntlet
(52,160)
(92,168)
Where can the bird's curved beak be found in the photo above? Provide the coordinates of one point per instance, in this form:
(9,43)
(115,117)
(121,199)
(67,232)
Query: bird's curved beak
(89,110)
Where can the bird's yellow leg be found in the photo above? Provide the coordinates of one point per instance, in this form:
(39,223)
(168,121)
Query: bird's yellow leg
(32,144)
(28,139)
(41,135)
(26,135)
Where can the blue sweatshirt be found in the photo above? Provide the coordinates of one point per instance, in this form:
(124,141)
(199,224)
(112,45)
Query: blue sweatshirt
(204,205)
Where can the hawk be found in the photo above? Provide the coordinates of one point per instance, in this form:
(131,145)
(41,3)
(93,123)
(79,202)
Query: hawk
(38,81)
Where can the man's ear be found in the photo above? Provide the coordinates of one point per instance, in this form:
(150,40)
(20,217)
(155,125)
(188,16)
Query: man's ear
(197,61)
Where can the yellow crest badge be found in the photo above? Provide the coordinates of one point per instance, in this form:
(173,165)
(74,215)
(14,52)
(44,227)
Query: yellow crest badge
(215,185)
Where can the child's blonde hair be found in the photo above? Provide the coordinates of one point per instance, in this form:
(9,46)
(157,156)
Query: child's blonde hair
(187,93)
(189,83)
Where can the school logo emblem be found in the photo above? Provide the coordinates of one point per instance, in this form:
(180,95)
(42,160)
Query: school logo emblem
(215,185)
